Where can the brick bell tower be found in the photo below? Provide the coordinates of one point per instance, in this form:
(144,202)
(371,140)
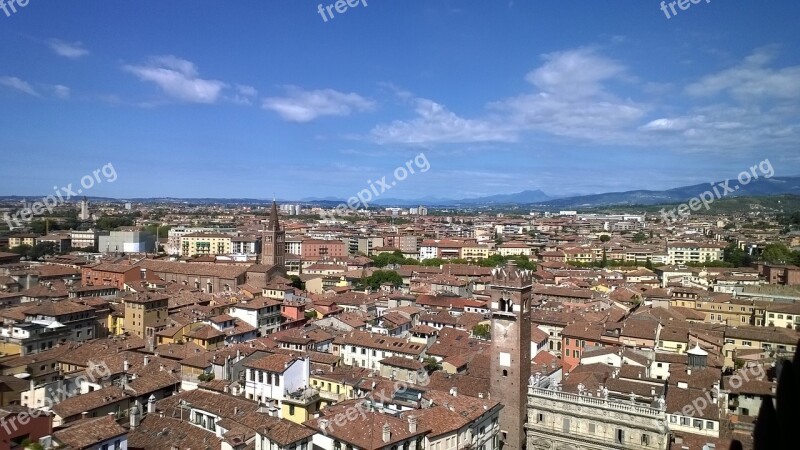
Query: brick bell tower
(273,241)
(510,304)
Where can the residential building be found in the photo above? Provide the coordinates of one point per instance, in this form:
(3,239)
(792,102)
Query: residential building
(146,314)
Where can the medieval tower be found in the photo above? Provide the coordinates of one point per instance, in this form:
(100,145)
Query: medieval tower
(510,303)
(273,241)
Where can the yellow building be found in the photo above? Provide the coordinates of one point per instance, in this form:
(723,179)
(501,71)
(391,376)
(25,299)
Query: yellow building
(514,249)
(474,252)
(300,407)
(332,386)
(21,239)
(145,314)
(116,322)
(199,244)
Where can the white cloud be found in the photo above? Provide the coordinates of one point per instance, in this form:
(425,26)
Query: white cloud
(61,91)
(299,105)
(19,85)
(179,79)
(570,99)
(72,50)
(575,73)
(751,80)
(244,94)
(437,124)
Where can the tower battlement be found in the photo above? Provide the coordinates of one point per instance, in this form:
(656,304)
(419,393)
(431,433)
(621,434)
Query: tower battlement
(512,276)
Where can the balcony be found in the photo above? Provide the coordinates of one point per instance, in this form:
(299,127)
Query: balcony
(331,396)
(596,401)
(302,397)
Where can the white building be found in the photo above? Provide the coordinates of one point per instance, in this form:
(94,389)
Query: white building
(262,313)
(273,378)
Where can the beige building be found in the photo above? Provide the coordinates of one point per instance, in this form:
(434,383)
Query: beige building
(477,251)
(198,244)
(145,314)
(783,315)
(693,252)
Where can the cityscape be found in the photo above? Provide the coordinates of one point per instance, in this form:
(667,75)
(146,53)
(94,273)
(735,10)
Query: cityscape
(421,225)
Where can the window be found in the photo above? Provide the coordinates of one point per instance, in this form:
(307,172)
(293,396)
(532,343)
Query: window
(620,436)
(697,423)
(566,341)
(277,380)
(505,372)
(709,425)
(645,439)
(673,419)
(592,428)
(291,410)
(539,418)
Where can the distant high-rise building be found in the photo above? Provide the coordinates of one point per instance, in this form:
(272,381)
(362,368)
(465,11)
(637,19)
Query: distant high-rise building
(510,357)
(273,241)
(84,209)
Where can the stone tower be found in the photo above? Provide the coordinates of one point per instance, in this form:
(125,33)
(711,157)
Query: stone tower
(273,241)
(510,356)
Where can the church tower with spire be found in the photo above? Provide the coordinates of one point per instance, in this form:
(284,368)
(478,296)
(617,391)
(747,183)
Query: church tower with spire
(273,241)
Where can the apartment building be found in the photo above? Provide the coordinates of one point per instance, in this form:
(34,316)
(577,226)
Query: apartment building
(693,252)
(145,314)
(262,313)
(362,349)
(202,244)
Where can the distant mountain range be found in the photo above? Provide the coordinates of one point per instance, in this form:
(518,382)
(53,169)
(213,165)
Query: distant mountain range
(537,198)
(532,198)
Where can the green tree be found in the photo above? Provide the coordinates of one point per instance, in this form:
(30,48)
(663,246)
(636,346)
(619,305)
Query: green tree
(605,238)
(639,237)
(777,254)
(481,330)
(379,277)
(297,282)
(23,249)
(431,364)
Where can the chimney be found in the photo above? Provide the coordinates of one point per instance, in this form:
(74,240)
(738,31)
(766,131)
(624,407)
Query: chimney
(135,418)
(323,425)
(151,404)
(412,424)
(146,359)
(387,435)
(688,371)
(125,365)
(454,391)
(652,390)
(160,367)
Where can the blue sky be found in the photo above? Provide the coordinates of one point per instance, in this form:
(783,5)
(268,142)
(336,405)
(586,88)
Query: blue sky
(250,98)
